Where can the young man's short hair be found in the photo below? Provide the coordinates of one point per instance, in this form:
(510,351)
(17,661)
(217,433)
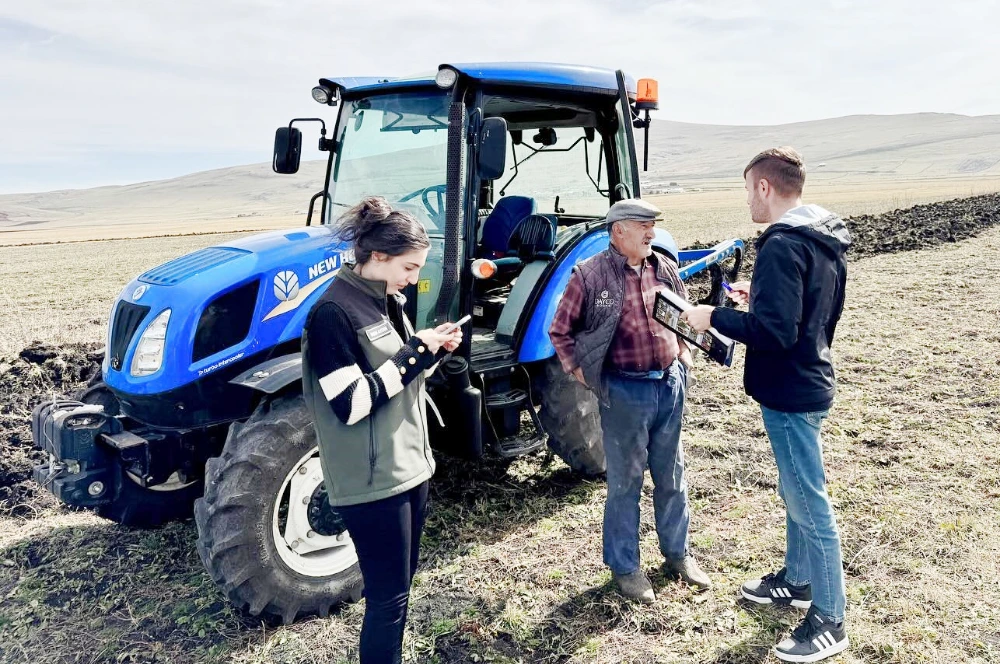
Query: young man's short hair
(782,167)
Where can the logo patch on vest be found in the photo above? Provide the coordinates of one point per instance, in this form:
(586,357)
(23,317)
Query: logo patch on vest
(378,331)
(604,300)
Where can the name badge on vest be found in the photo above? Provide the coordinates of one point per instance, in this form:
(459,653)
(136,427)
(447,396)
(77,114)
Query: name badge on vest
(378,331)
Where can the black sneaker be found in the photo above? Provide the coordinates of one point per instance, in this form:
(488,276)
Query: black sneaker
(772,588)
(814,639)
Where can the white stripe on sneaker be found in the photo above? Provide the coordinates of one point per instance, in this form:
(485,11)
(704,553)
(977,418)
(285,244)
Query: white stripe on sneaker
(780,650)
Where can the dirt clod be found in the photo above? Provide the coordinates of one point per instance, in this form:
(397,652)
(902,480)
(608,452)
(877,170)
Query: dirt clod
(908,229)
(39,372)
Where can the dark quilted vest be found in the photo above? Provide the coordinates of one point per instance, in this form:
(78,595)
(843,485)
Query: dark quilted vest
(604,287)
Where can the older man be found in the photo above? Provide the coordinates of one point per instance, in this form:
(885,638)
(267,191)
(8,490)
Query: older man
(605,335)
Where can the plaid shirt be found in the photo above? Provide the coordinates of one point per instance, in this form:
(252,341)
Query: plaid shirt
(640,343)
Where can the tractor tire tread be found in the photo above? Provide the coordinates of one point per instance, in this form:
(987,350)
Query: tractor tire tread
(232,522)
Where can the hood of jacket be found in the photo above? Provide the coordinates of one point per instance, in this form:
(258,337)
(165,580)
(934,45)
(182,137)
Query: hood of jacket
(815,223)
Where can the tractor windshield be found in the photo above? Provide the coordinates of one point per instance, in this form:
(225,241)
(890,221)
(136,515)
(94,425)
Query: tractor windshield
(394,146)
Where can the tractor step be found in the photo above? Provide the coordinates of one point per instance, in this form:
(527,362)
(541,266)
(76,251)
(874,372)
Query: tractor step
(514,446)
(517,445)
(508,399)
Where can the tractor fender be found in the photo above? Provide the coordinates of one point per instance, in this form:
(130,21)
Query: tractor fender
(536,344)
(273,375)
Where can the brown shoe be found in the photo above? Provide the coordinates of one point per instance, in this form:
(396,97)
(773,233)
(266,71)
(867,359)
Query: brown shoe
(687,570)
(635,586)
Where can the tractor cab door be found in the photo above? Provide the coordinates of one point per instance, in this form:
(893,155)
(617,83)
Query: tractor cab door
(628,180)
(395,145)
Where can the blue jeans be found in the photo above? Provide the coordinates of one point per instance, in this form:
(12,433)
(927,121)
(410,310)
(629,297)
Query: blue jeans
(643,426)
(812,554)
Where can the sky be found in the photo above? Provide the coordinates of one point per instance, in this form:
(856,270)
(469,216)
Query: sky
(115,91)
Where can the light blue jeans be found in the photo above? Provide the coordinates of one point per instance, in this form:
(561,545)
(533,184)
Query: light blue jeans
(643,426)
(812,553)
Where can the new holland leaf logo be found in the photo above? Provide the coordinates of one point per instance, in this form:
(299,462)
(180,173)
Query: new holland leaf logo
(286,285)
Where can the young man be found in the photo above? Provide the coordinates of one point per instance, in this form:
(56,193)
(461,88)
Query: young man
(605,335)
(796,296)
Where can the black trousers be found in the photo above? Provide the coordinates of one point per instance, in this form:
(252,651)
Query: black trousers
(386,534)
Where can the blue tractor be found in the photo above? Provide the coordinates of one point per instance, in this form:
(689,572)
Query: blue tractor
(511,168)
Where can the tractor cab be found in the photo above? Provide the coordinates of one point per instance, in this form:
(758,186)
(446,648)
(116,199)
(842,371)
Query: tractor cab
(511,168)
(507,166)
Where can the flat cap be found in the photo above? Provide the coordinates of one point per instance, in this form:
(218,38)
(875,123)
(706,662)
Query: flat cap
(633,209)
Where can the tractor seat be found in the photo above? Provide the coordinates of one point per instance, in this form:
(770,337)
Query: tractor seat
(499,226)
(534,239)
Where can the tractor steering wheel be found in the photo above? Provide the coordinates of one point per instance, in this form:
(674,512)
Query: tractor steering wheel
(434,210)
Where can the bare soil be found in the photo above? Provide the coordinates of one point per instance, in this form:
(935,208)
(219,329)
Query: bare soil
(39,372)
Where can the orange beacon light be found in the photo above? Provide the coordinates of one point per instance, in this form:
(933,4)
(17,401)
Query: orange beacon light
(647,98)
(647,95)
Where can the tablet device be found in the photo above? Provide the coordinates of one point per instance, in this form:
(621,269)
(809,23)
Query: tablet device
(667,311)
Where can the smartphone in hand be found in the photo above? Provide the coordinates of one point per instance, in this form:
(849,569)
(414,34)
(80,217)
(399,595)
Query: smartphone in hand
(457,324)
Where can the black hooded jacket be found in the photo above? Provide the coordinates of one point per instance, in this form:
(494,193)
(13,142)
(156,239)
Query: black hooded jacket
(796,298)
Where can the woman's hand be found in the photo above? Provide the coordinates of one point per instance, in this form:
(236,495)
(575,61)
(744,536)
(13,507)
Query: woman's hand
(455,339)
(436,339)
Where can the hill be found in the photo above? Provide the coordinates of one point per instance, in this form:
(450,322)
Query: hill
(857,149)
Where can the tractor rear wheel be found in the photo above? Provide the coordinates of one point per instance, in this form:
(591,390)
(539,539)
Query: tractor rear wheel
(266,532)
(572,419)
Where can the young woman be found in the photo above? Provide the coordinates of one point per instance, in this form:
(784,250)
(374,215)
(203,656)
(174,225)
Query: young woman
(363,377)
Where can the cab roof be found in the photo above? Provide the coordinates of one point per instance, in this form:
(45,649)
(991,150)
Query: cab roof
(575,78)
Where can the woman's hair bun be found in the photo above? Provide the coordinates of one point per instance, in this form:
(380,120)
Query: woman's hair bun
(374,209)
(362,218)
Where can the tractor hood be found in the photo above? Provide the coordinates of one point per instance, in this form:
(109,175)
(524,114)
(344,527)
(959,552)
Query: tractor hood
(227,303)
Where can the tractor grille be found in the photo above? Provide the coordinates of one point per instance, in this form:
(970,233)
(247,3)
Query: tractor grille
(184,267)
(126,321)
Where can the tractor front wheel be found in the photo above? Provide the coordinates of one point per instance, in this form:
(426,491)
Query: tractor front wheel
(266,531)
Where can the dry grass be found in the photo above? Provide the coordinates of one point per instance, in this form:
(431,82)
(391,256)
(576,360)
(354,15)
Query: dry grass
(511,568)
(62,293)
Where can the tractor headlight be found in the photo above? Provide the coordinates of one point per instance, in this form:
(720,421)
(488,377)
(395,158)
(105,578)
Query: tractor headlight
(446,77)
(148,356)
(322,94)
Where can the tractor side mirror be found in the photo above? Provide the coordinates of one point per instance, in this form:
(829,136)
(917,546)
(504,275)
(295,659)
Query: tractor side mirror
(492,148)
(287,150)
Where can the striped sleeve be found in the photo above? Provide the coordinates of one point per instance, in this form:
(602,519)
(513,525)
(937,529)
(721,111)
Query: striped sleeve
(338,360)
